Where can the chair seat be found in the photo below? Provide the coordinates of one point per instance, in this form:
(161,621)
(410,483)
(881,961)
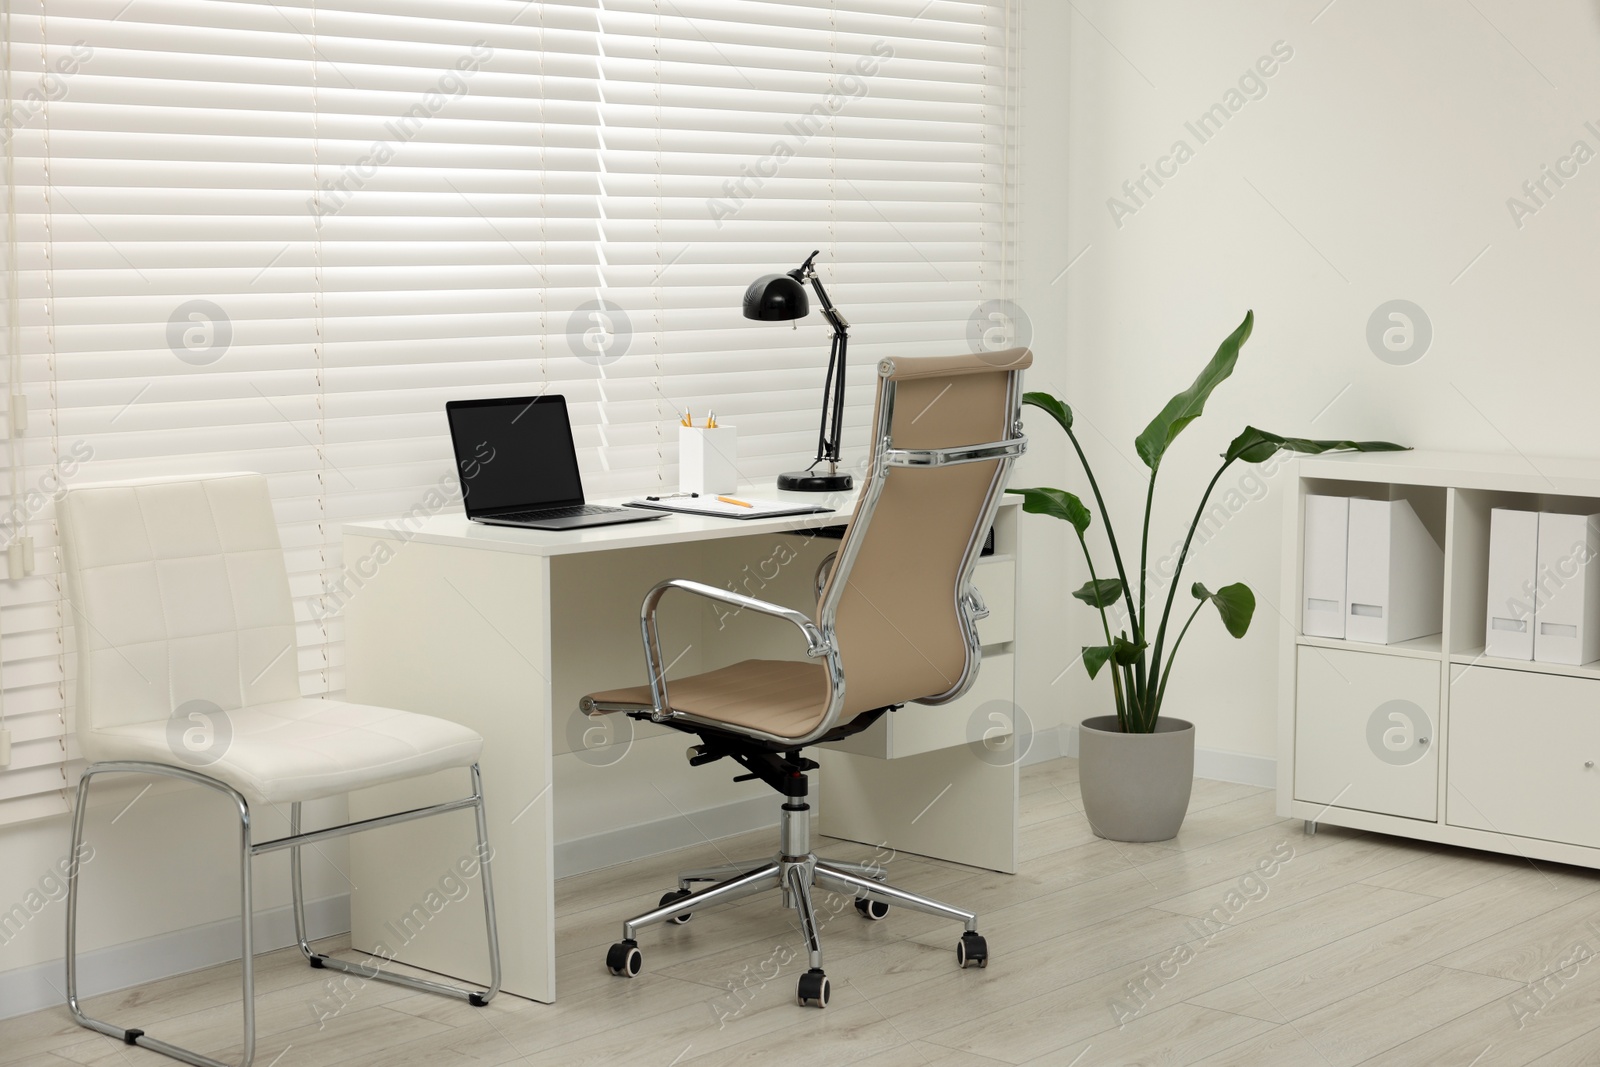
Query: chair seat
(303,749)
(782,697)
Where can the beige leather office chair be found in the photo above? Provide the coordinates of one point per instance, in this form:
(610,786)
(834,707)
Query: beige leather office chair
(187,669)
(894,624)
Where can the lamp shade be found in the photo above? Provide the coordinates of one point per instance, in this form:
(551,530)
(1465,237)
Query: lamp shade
(776,298)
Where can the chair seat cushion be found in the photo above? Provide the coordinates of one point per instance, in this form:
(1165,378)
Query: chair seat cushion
(781,697)
(300,749)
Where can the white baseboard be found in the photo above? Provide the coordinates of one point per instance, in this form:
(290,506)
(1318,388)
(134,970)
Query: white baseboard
(1220,765)
(1046,745)
(1216,764)
(628,843)
(106,970)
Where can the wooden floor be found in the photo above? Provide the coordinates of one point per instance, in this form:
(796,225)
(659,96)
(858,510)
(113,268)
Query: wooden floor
(1241,942)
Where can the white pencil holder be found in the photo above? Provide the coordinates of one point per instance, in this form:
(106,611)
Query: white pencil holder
(708,460)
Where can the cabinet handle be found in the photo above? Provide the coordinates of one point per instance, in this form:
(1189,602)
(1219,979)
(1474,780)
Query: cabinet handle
(1588,763)
(1422,740)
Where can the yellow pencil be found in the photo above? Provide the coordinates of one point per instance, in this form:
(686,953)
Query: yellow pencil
(736,503)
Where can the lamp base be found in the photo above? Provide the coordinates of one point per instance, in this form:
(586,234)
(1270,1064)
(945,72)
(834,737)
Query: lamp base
(815,482)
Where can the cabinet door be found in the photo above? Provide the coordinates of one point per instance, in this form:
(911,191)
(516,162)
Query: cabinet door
(1364,732)
(1524,750)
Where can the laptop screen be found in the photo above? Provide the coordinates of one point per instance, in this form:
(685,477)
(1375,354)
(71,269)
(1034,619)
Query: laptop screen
(514,453)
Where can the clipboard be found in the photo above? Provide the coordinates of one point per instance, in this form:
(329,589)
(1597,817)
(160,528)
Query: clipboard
(711,506)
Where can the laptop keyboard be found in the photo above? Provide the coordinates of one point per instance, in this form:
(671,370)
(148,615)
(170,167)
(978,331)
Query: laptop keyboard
(560,513)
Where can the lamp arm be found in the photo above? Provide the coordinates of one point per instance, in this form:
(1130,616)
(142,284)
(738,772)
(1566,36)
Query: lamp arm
(833,389)
(838,400)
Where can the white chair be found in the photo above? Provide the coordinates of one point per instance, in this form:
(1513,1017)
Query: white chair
(187,669)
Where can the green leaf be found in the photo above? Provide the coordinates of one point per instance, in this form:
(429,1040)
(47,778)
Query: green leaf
(1100,594)
(1125,652)
(1094,657)
(1187,406)
(1058,409)
(1258,446)
(1057,502)
(1235,603)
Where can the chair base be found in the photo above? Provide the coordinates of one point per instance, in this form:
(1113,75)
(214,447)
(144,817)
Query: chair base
(796,870)
(248,850)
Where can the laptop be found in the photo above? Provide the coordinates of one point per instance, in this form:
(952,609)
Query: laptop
(519,467)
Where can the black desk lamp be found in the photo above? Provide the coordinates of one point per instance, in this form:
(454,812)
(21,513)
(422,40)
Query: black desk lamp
(782,297)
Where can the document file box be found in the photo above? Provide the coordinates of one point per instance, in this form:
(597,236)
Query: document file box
(1322,606)
(1567,616)
(1394,574)
(1513,572)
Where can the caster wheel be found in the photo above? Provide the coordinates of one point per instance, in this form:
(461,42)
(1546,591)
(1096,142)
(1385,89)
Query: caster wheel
(972,949)
(623,959)
(814,989)
(677,894)
(872,909)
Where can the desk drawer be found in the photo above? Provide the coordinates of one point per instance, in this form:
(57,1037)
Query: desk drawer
(1519,745)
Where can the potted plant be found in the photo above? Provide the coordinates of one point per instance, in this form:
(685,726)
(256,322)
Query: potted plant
(1136,768)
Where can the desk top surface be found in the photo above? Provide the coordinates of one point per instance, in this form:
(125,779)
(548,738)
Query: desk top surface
(452,527)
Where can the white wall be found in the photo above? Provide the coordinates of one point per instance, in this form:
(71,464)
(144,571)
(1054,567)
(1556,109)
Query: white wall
(1048,554)
(1377,166)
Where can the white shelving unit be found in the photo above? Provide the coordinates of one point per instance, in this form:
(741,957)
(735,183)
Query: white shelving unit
(1431,739)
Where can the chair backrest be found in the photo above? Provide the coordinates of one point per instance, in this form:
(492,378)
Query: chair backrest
(899,595)
(179,592)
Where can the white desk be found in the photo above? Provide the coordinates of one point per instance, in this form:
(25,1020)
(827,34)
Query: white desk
(503,630)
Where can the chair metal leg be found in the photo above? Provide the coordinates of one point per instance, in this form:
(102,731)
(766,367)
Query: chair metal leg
(133,1036)
(297,888)
(799,879)
(248,850)
(720,872)
(796,870)
(375,972)
(486,875)
(769,876)
(866,870)
(830,876)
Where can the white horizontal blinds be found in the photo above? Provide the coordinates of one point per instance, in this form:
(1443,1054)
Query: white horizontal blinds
(458,212)
(738,137)
(160,329)
(280,236)
(36,781)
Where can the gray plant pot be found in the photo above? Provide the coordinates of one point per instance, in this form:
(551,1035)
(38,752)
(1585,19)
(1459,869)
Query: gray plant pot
(1135,786)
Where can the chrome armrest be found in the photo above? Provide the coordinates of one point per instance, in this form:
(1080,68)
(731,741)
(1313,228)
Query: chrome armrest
(817,645)
(944,457)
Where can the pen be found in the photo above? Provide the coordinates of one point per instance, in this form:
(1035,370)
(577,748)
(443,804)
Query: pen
(737,503)
(671,495)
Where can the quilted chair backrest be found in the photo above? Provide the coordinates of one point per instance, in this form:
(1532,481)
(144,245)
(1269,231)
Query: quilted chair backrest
(179,592)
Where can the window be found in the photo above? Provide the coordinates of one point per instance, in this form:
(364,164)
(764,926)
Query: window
(278,237)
